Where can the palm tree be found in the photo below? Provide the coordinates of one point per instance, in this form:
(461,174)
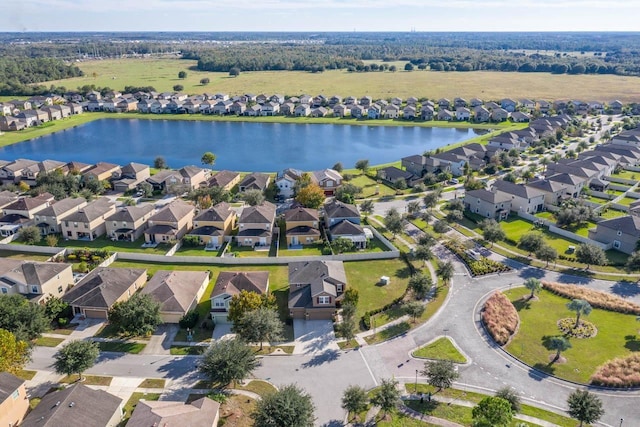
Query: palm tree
(533,285)
(559,344)
(581,307)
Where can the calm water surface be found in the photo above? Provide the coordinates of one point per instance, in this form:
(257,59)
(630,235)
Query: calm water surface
(238,146)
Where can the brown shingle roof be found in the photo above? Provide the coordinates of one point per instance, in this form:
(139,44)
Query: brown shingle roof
(175,290)
(103,286)
(232,282)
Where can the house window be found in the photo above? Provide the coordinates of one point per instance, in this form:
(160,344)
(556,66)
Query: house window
(34,289)
(219,303)
(115,224)
(324,300)
(298,285)
(66,223)
(619,233)
(59,289)
(124,224)
(616,244)
(75,224)
(339,287)
(15,394)
(4,290)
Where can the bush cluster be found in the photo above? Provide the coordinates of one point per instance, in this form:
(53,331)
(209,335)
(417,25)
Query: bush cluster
(597,299)
(189,320)
(479,267)
(620,372)
(583,330)
(500,317)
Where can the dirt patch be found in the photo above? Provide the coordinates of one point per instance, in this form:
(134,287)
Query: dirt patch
(561,360)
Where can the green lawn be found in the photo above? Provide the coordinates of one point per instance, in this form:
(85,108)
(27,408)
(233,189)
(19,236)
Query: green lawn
(306,250)
(626,201)
(617,336)
(247,252)
(259,387)
(133,401)
(371,187)
(109,245)
(122,347)
(584,229)
(598,200)
(24,256)
(48,341)
(546,215)
(388,333)
(515,228)
(88,380)
(365,277)
(470,396)
(626,175)
(441,349)
(199,251)
(153,383)
(26,374)
(612,213)
(180,350)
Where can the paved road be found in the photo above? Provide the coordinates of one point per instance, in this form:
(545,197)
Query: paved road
(491,368)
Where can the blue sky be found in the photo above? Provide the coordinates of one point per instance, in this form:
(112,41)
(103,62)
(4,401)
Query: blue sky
(321,15)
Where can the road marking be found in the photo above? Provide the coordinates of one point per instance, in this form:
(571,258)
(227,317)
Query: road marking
(364,359)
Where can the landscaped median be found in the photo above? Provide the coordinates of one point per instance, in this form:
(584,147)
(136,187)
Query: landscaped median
(542,340)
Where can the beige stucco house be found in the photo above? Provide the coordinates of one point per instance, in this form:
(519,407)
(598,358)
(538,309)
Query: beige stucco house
(129,222)
(255,226)
(230,283)
(214,225)
(315,288)
(96,293)
(14,402)
(37,280)
(88,223)
(50,218)
(302,226)
(171,223)
(177,292)
(487,204)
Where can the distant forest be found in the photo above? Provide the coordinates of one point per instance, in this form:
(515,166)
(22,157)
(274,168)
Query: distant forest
(37,57)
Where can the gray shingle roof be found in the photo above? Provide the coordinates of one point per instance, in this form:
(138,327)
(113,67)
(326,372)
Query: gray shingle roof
(346,228)
(79,406)
(62,206)
(91,211)
(629,224)
(131,213)
(8,384)
(219,212)
(200,413)
(263,213)
(173,212)
(175,290)
(336,209)
(301,214)
(488,196)
(516,189)
(232,282)
(103,286)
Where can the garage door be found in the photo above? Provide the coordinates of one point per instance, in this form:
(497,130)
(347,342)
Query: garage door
(96,314)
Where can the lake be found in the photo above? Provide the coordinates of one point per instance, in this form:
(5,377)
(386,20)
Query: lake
(240,146)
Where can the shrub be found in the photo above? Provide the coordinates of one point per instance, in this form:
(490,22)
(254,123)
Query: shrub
(478,267)
(62,321)
(500,317)
(584,330)
(620,372)
(189,320)
(597,299)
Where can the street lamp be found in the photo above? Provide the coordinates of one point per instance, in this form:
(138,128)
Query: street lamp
(416,387)
(621,420)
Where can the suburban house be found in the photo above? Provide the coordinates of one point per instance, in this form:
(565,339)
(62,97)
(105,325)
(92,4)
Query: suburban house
(315,288)
(203,412)
(96,293)
(230,283)
(488,204)
(14,403)
(302,110)
(341,110)
(286,181)
(391,111)
(393,175)
(523,198)
(88,222)
(76,406)
(343,221)
(102,171)
(193,176)
(129,222)
(409,112)
(37,280)
(509,104)
(130,176)
(254,181)
(328,179)
(446,115)
(178,292)
(255,226)
(13,172)
(302,226)
(553,191)
(213,226)
(224,179)
(621,233)
(7,197)
(178,181)
(463,113)
(414,164)
(481,114)
(28,207)
(499,115)
(170,223)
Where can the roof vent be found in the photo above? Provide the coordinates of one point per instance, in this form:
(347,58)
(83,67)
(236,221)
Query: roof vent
(57,403)
(72,404)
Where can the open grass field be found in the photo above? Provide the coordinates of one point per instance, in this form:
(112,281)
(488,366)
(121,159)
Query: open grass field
(617,336)
(107,244)
(23,256)
(440,349)
(163,75)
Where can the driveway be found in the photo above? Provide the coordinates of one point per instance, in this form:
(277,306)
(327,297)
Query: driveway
(314,336)
(222,330)
(160,341)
